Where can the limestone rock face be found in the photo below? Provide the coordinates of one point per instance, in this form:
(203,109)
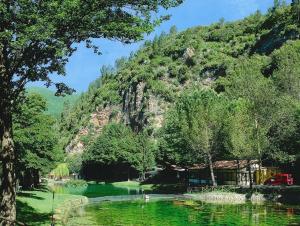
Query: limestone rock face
(101,117)
(98,119)
(157,109)
(75,146)
(134,101)
(189,53)
(139,109)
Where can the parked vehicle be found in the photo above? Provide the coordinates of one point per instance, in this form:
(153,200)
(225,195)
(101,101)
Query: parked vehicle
(280,179)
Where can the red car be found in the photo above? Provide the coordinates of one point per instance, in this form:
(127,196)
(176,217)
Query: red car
(280,179)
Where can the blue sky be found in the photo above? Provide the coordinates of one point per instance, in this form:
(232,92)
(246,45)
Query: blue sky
(84,66)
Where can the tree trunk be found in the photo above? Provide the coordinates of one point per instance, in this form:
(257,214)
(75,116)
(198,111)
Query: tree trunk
(8,182)
(27,179)
(36,178)
(250,174)
(238,179)
(128,174)
(259,172)
(211,169)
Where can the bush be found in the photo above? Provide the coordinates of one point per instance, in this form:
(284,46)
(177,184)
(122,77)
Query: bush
(76,183)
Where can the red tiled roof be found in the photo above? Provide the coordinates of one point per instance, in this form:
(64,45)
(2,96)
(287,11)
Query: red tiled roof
(230,164)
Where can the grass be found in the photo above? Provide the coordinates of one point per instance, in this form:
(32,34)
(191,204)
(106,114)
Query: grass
(35,207)
(133,184)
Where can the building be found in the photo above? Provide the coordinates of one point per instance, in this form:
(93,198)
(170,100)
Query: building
(232,172)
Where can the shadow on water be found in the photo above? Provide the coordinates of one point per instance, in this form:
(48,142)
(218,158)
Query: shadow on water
(28,215)
(168,189)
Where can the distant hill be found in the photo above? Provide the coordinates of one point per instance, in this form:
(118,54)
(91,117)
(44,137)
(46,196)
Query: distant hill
(140,90)
(54,104)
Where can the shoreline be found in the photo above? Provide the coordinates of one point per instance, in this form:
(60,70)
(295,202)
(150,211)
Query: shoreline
(260,196)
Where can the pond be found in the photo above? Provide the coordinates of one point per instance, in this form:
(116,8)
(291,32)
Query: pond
(180,213)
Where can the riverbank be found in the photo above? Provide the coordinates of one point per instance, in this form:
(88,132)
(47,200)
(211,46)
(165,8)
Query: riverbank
(259,194)
(227,198)
(35,207)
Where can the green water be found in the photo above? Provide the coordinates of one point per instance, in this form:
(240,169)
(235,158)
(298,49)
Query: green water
(178,213)
(96,190)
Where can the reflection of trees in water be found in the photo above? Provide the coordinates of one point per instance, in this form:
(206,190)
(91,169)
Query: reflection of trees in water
(247,214)
(188,212)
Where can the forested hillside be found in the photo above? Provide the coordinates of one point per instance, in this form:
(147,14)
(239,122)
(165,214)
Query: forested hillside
(228,90)
(55,104)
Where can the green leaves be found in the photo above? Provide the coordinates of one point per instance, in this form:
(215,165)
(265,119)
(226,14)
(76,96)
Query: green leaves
(61,170)
(37,37)
(263,111)
(118,144)
(285,63)
(35,137)
(195,123)
(251,63)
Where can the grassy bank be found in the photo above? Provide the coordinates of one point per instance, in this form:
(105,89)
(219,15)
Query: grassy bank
(133,184)
(152,188)
(35,207)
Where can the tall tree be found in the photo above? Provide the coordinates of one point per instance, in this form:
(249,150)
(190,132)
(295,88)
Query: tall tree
(241,135)
(173,148)
(296,8)
(145,158)
(200,113)
(119,145)
(37,37)
(74,162)
(246,81)
(35,141)
(263,110)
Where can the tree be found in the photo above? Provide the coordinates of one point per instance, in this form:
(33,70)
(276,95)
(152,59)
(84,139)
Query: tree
(285,63)
(296,8)
(61,170)
(35,141)
(285,74)
(173,148)
(241,133)
(277,142)
(145,158)
(200,113)
(173,30)
(74,162)
(37,37)
(119,145)
(279,3)
(260,112)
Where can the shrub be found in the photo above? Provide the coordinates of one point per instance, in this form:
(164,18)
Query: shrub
(76,183)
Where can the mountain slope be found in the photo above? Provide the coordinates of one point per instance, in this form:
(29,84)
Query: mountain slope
(55,104)
(139,90)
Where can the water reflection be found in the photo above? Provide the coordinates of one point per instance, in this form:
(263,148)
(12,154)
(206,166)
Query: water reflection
(176,212)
